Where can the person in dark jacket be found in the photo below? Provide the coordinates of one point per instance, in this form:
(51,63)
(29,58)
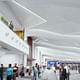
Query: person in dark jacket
(22,72)
(62,73)
(1,72)
(79,68)
(11,25)
(67,67)
(15,72)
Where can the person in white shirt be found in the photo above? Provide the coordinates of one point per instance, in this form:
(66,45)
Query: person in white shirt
(53,68)
(49,74)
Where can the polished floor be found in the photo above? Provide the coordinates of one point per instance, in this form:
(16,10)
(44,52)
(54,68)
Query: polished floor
(74,76)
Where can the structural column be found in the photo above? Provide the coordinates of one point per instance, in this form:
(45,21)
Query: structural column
(25,60)
(29,41)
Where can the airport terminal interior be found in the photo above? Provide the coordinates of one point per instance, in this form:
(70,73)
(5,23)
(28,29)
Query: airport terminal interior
(39,40)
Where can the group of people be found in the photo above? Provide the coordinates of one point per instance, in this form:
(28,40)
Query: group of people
(38,72)
(43,73)
(11,72)
(50,73)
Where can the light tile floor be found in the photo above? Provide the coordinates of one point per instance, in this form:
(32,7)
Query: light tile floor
(74,76)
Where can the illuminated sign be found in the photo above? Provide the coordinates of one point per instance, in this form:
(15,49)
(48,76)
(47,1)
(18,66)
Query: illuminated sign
(53,62)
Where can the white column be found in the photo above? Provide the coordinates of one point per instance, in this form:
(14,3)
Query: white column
(33,50)
(36,54)
(25,60)
(40,57)
(33,53)
(25,39)
(25,34)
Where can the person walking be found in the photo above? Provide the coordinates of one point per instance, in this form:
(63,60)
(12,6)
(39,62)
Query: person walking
(49,74)
(15,72)
(53,68)
(22,72)
(35,70)
(62,73)
(79,68)
(1,72)
(67,72)
(9,72)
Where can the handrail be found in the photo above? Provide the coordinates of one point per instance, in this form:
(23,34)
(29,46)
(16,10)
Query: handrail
(9,37)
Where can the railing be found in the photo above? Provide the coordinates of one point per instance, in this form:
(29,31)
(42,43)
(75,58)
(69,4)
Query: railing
(9,37)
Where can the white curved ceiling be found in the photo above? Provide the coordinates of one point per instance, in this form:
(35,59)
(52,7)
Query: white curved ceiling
(62,29)
(20,15)
(61,17)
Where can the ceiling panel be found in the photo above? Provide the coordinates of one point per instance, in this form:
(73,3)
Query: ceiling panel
(62,29)
(60,18)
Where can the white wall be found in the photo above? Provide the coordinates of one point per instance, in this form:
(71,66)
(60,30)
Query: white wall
(8,37)
(37,56)
(54,54)
(11,59)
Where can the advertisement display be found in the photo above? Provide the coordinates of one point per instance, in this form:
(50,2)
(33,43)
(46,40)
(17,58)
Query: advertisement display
(20,34)
(55,63)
